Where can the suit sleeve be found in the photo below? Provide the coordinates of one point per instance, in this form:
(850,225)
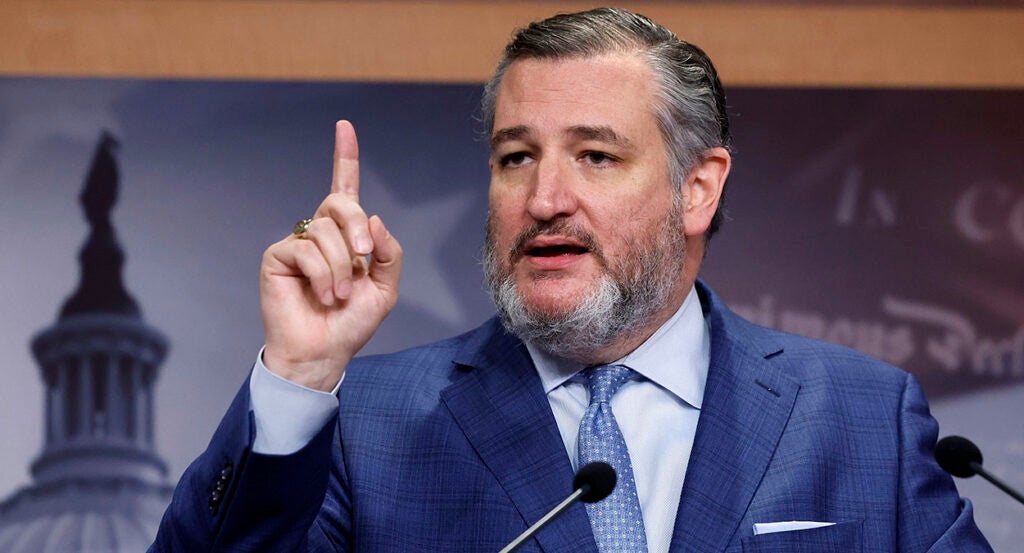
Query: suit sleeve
(232,499)
(933,517)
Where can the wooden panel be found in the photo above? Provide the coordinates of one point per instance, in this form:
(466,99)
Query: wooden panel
(459,41)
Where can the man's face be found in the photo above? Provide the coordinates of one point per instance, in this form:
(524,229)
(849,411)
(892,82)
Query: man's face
(580,192)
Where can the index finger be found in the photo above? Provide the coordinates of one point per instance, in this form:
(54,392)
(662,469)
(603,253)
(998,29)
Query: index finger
(346,161)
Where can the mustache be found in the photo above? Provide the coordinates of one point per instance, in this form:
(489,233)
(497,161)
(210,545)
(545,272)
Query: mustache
(559,227)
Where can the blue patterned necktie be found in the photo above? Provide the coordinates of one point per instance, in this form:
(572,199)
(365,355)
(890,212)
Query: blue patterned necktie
(616,520)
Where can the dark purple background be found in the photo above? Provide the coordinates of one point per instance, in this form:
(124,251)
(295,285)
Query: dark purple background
(891,221)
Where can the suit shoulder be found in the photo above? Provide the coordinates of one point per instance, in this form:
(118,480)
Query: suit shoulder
(841,360)
(813,359)
(426,357)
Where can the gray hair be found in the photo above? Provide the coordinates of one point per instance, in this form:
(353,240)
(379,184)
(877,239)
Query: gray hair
(690,102)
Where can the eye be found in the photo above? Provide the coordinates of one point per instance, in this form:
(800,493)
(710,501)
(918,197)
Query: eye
(514,159)
(598,159)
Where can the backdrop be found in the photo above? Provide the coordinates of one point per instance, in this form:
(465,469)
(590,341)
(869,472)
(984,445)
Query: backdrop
(889,221)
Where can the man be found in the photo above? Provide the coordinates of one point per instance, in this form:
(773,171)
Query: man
(609,143)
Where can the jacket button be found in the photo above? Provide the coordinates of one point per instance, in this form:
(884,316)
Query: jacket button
(219,486)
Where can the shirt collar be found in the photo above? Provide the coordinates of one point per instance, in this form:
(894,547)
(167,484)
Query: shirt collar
(675,357)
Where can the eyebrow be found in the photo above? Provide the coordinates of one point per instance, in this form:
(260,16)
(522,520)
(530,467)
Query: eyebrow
(505,135)
(600,133)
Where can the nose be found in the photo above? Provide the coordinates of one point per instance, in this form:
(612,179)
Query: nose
(551,194)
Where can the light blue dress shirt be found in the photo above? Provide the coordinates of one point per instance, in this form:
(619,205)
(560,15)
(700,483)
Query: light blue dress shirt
(657,412)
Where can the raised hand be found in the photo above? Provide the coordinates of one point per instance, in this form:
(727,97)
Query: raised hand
(321,299)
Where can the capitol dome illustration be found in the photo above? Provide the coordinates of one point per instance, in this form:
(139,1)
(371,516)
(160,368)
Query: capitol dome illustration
(98,485)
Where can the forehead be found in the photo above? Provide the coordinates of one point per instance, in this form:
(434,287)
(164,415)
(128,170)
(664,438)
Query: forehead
(614,90)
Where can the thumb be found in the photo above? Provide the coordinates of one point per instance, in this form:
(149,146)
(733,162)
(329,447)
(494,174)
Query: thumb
(386,265)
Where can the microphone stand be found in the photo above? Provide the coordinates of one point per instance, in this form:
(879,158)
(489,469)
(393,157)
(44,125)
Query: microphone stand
(518,542)
(977,468)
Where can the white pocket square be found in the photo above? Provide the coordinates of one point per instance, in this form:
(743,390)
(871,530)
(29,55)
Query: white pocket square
(788,526)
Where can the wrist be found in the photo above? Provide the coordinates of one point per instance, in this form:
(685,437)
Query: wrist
(320,375)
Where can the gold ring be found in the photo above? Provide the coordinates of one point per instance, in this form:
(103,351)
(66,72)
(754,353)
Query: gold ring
(301,229)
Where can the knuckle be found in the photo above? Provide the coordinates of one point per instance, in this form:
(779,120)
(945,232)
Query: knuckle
(318,273)
(321,276)
(318,226)
(395,249)
(341,208)
(307,252)
(329,204)
(338,199)
(275,249)
(268,253)
(304,247)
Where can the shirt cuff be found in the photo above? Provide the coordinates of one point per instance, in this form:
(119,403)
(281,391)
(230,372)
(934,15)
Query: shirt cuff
(287,415)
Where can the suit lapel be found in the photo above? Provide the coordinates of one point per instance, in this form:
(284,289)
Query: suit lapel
(500,405)
(747,402)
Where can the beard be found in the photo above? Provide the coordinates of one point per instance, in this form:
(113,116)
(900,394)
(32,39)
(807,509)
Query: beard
(627,294)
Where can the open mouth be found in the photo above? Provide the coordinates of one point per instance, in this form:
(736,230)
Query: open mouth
(556,250)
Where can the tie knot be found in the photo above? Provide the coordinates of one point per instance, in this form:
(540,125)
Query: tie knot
(605,380)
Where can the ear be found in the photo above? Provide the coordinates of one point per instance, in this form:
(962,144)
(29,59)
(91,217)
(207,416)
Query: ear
(702,190)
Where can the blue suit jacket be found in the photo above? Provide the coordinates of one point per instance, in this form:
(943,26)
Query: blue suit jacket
(453,447)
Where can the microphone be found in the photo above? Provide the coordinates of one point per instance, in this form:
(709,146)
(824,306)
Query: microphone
(592,483)
(960,457)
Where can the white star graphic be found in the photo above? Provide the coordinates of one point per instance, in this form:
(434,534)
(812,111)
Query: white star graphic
(422,229)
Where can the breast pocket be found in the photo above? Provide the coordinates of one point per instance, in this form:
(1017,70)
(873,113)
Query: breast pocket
(842,537)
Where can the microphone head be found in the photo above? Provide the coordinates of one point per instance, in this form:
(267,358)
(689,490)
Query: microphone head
(955,454)
(597,480)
